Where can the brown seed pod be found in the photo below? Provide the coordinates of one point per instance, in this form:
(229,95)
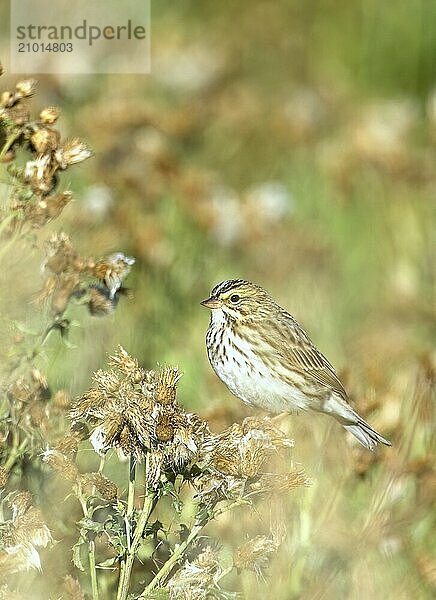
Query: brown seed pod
(49,115)
(164,430)
(45,140)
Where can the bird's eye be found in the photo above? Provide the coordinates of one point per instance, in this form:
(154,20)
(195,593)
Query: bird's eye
(234,298)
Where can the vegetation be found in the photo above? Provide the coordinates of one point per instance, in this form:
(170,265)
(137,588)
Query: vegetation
(295,150)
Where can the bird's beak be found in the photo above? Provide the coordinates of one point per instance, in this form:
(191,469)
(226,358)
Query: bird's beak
(212,303)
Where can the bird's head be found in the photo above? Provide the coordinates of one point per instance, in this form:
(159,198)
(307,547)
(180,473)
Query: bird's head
(238,299)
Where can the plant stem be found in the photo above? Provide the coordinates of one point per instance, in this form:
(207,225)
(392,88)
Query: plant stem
(167,567)
(91,546)
(92,570)
(180,550)
(11,139)
(127,564)
(15,452)
(131,490)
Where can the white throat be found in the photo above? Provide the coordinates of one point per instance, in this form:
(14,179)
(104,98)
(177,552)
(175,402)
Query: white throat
(218,317)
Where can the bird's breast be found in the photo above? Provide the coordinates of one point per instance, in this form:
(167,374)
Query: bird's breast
(248,377)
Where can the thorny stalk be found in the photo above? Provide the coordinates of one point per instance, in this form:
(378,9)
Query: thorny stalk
(172,561)
(93,570)
(9,142)
(131,489)
(127,565)
(181,548)
(16,451)
(91,544)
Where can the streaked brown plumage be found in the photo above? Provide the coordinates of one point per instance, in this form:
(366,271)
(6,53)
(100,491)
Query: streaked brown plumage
(267,360)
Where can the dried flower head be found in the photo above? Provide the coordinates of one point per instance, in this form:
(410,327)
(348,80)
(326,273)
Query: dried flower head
(45,140)
(234,462)
(25,88)
(49,115)
(73,274)
(98,483)
(254,554)
(39,174)
(189,433)
(68,444)
(29,396)
(242,450)
(113,270)
(197,579)
(60,253)
(61,464)
(117,410)
(166,385)
(20,503)
(125,411)
(71,152)
(26,532)
(62,400)
(129,366)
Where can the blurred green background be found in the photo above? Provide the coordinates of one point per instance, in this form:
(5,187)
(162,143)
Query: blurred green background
(291,144)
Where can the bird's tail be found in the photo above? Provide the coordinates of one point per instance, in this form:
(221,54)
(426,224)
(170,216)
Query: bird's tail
(366,435)
(342,411)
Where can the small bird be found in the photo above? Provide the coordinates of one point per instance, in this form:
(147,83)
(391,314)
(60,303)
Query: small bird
(267,360)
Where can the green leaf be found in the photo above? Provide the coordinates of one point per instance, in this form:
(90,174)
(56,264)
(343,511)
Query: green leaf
(177,505)
(116,534)
(90,525)
(160,594)
(77,561)
(110,562)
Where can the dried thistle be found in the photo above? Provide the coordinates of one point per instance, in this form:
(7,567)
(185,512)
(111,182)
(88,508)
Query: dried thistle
(136,412)
(97,482)
(25,88)
(242,450)
(166,385)
(113,270)
(235,461)
(62,400)
(26,532)
(72,274)
(39,174)
(68,445)
(127,365)
(44,140)
(71,152)
(49,115)
(196,579)
(33,201)
(29,396)
(61,464)
(120,415)
(254,554)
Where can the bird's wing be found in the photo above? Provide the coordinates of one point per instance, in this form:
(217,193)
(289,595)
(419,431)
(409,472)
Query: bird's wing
(302,354)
